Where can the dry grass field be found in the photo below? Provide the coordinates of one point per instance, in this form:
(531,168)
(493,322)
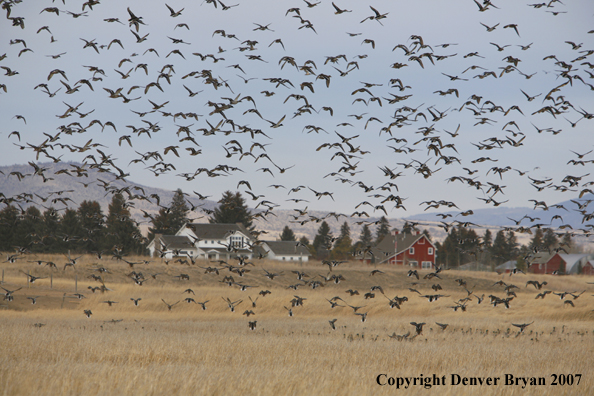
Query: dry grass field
(52,348)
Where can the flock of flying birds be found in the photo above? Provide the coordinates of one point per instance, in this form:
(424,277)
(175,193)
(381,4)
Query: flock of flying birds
(245,276)
(148,98)
(157,94)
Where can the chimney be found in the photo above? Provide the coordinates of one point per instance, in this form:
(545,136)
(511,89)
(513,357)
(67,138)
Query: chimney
(418,232)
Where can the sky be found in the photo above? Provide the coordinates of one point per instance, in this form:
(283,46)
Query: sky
(509,130)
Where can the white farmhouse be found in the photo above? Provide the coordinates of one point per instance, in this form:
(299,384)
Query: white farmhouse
(283,251)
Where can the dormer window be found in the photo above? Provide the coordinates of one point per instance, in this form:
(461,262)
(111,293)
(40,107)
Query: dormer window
(236,242)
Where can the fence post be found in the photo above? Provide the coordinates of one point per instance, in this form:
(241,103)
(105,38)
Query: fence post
(28,277)
(51,280)
(76,283)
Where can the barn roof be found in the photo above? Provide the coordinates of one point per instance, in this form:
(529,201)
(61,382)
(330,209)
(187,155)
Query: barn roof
(386,248)
(173,242)
(287,248)
(572,260)
(508,265)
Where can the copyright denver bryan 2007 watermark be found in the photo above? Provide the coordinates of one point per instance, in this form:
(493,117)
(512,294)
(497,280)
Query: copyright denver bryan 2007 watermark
(434,380)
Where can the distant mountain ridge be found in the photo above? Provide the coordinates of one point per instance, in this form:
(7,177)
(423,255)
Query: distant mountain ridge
(563,213)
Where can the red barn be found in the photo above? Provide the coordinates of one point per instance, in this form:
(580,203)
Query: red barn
(544,263)
(413,250)
(588,269)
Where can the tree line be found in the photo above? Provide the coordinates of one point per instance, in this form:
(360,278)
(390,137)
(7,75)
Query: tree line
(87,229)
(464,245)
(84,230)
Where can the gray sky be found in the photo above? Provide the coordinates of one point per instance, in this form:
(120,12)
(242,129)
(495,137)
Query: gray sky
(292,147)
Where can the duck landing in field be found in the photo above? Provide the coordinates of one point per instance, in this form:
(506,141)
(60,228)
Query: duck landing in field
(522,326)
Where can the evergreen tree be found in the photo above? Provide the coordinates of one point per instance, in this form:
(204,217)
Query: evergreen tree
(500,248)
(161,224)
(179,211)
(567,243)
(322,241)
(122,232)
(487,240)
(427,234)
(468,245)
(447,253)
(50,230)
(487,248)
(170,219)
(343,246)
(92,224)
(383,229)
(69,232)
(232,209)
(512,246)
(9,218)
(536,244)
(365,238)
(549,241)
(28,229)
(523,253)
(288,235)
(408,228)
(304,240)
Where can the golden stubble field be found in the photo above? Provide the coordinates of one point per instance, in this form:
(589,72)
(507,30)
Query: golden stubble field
(52,348)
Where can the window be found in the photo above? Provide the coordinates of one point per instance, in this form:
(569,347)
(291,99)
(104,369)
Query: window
(422,241)
(427,264)
(411,250)
(236,242)
(430,251)
(413,263)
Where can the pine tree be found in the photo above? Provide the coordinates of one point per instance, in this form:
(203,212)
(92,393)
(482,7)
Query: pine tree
(50,230)
(8,221)
(232,209)
(365,238)
(92,223)
(500,249)
(383,229)
(487,247)
(536,244)
(170,219)
(567,243)
(179,211)
(288,235)
(448,252)
(321,243)
(122,232)
(69,232)
(550,241)
(512,245)
(28,229)
(343,246)
(487,239)
(304,241)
